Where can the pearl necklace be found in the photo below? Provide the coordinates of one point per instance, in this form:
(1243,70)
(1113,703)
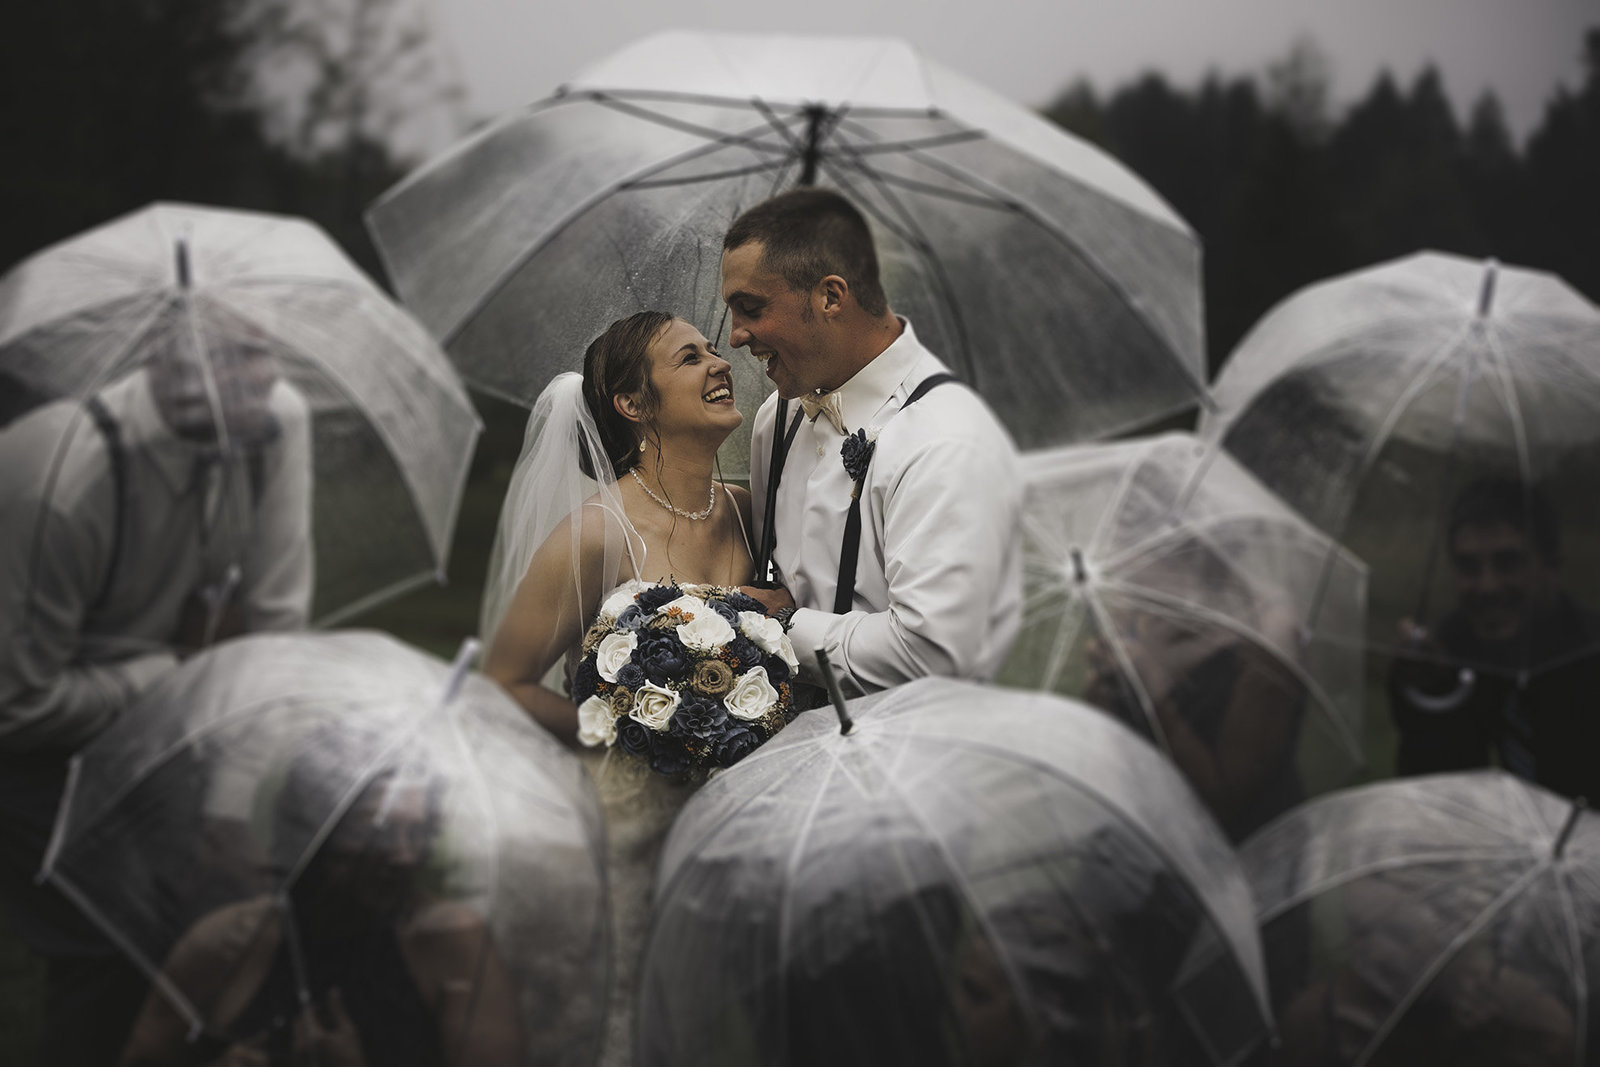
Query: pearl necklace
(692,516)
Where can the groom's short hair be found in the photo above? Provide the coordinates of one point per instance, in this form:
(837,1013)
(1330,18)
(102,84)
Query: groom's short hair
(810,233)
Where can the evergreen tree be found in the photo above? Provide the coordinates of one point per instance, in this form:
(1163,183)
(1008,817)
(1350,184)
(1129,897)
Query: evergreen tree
(1564,176)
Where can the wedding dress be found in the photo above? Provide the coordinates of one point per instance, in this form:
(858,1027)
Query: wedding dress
(639,805)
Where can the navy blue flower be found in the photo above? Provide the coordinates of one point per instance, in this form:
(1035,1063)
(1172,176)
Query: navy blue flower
(663,658)
(631,676)
(729,614)
(745,651)
(739,602)
(634,737)
(585,680)
(631,618)
(736,744)
(777,670)
(657,596)
(699,716)
(669,756)
(857,453)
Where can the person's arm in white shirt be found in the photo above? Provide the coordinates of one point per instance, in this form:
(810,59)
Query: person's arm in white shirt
(951,527)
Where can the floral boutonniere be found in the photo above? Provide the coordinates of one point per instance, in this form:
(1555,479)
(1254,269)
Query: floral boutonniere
(856,451)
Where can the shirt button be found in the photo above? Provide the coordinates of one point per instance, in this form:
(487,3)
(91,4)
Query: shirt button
(820,450)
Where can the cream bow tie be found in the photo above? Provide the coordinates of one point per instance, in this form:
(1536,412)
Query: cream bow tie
(814,404)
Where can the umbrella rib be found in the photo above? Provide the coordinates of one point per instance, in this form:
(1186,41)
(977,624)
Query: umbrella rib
(1226,622)
(1500,366)
(968,893)
(1443,959)
(786,900)
(578,211)
(1388,863)
(917,240)
(1119,651)
(741,103)
(1430,366)
(709,176)
(1112,283)
(331,374)
(939,140)
(1575,960)
(746,140)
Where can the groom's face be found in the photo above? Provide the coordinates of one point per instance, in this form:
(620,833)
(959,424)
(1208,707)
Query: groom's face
(774,322)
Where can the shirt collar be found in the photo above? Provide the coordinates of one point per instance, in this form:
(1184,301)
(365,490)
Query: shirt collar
(863,397)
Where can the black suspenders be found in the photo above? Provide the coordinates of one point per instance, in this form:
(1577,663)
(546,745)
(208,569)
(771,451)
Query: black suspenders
(845,593)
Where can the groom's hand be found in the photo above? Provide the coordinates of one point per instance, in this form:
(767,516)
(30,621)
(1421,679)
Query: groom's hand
(771,599)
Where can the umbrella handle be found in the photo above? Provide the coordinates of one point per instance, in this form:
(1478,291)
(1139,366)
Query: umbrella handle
(466,655)
(831,680)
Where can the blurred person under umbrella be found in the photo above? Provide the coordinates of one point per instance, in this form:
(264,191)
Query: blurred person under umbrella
(1451,921)
(427,885)
(1376,400)
(1167,586)
(1504,546)
(177,380)
(1050,278)
(971,875)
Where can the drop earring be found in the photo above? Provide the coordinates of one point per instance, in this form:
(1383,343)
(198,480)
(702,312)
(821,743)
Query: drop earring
(641,446)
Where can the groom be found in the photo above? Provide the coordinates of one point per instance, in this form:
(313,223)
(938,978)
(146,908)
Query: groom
(895,518)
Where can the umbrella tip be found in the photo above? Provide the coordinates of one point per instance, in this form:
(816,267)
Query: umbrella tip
(1579,805)
(1080,573)
(466,656)
(846,724)
(1491,268)
(183,263)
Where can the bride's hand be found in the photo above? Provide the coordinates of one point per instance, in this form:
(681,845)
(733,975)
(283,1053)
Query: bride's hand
(771,599)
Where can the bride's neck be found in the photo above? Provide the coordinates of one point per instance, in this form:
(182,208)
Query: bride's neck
(681,474)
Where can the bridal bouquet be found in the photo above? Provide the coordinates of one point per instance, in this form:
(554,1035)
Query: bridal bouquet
(683,676)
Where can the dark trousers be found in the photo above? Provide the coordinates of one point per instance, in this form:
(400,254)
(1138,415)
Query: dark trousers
(92,992)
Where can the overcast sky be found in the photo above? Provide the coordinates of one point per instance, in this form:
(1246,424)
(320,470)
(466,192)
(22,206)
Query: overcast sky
(510,52)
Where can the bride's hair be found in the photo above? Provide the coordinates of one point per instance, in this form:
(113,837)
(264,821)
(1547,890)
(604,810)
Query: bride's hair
(618,363)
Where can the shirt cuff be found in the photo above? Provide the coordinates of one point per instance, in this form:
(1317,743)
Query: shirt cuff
(808,631)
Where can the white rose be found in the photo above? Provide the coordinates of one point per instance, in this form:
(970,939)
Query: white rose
(596,723)
(619,600)
(707,632)
(689,605)
(768,636)
(653,705)
(613,654)
(752,696)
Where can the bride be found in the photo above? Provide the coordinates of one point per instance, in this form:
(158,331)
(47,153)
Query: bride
(615,488)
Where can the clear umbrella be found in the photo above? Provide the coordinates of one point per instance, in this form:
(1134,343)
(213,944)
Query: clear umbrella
(1445,920)
(196,295)
(1049,277)
(971,875)
(1390,403)
(1164,584)
(292,821)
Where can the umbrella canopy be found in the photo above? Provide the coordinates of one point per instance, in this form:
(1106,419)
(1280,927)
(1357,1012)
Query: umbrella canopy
(204,290)
(1380,403)
(1166,585)
(971,875)
(287,814)
(1445,920)
(1048,276)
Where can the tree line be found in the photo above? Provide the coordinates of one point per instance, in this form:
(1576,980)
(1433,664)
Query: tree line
(1282,194)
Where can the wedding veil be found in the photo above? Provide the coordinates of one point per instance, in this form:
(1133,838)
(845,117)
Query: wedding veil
(548,484)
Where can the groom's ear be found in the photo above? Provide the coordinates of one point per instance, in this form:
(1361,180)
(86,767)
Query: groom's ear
(830,293)
(627,407)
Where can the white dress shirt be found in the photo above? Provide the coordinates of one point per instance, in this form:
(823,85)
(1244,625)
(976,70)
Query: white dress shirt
(938,576)
(66,670)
